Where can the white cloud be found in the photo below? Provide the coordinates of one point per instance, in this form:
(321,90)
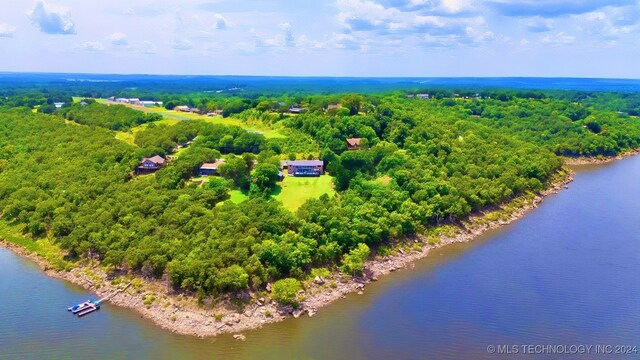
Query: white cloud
(288,38)
(119,39)
(346,41)
(182,44)
(611,23)
(91,46)
(7,31)
(439,23)
(430,6)
(455,6)
(51,20)
(221,22)
(538,24)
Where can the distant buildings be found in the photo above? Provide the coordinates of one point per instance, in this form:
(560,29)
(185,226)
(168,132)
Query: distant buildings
(184,108)
(136,102)
(296,110)
(305,167)
(149,165)
(58,105)
(151,103)
(215,113)
(419,96)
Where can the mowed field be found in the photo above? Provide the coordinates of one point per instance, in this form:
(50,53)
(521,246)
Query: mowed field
(173,117)
(295,191)
(292,192)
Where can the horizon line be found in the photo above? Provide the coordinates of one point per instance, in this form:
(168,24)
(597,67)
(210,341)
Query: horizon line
(316,76)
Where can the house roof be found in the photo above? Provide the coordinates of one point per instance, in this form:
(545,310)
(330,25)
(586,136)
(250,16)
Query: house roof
(306,163)
(212,166)
(354,141)
(155,159)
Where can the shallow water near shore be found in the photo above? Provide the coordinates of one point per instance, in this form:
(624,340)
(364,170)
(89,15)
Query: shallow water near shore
(565,274)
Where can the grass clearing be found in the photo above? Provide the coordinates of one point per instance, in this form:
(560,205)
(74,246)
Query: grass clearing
(42,247)
(384,180)
(126,136)
(237,196)
(172,117)
(295,191)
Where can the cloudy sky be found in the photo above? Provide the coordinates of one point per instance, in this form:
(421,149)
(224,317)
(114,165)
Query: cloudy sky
(577,38)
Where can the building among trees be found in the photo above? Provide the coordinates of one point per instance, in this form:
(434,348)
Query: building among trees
(305,167)
(208,169)
(149,165)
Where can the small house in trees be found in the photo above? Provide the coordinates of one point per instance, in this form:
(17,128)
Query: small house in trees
(148,103)
(333,107)
(208,169)
(353,144)
(296,110)
(305,167)
(149,165)
(217,112)
(182,108)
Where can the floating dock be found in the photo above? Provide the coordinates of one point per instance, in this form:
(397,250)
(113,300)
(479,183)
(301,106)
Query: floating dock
(85,308)
(90,306)
(88,310)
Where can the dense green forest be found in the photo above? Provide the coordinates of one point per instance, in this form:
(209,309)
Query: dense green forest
(422,162)
(114,117)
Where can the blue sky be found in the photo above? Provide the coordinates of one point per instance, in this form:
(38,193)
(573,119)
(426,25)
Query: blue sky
(575,38)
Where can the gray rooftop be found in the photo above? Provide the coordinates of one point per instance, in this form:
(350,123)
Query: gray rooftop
(306,162)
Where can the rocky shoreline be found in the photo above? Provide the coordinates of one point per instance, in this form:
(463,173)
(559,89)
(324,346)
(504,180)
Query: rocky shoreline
(180,313)
(599,160)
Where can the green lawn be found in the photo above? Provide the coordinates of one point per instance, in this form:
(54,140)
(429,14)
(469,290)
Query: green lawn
(173,117)
(45,248)
(237,196)
(294,191)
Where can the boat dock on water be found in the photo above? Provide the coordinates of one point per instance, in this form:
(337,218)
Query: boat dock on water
(85,308)
(90,306)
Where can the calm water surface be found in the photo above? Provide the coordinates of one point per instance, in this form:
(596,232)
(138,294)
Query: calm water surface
(568,273)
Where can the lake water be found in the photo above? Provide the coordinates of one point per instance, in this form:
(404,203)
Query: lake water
(566,274)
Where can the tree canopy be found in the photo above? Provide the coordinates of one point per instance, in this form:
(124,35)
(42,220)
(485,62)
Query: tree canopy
(426,162)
